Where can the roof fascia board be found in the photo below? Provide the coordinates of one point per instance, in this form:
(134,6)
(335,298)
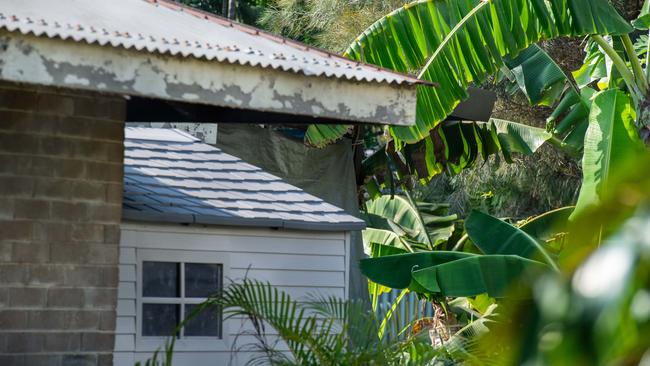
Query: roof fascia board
(139,216)
(68,64)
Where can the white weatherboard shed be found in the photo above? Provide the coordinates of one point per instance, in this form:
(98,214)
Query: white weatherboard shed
(195,218)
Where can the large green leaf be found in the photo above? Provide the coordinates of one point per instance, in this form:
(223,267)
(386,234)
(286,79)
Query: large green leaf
(544,83)
(494,275)
(383,237)
(380,250)
(456,42)
(550,229)
(438,223)
(494,236)
(421,226)
(545,226)
(449,273)
(322,135)
(394,271)
(537,75)
(516,137)
(375,251)
(570,117)
(643,21)
(611,139)
(382,223)
(455,145)
(399,210)
(593,67)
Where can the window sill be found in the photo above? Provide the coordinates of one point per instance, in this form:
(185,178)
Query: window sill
(202,344)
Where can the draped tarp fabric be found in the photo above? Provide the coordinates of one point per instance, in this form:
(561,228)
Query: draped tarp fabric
(327,173)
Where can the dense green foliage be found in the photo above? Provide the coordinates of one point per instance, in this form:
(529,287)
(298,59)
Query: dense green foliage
(327,331)
(598,118)
(331,24)
(246,11)
(453,43)
(598,312)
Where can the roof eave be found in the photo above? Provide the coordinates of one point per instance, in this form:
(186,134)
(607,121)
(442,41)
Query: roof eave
(185,219)
(69,64)
(405,78)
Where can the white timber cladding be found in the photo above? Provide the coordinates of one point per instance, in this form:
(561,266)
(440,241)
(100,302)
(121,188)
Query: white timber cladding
(302,263)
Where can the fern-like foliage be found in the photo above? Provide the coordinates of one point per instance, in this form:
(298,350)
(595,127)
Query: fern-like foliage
(319,331)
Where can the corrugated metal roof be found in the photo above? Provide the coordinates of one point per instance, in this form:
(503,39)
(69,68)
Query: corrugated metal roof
(170,176)
(159,26)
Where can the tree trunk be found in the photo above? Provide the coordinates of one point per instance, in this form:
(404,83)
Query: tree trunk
(224,7)
(231,8)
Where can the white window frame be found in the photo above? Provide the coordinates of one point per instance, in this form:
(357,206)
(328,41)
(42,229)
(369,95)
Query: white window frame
(193,343)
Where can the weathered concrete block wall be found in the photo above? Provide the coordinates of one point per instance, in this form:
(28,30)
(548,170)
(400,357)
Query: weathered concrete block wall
(61,167)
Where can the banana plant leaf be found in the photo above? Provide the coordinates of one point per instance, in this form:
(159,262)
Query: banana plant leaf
(450,273)
(456,42)
(422,226)
(494,236)
(382,223)
(495,275)
(399,210)
(323,135)
(545,226)
(537,75)
(372,236)
(509,252)
(550,229)
(517,137)
(455,145)
(593,67)
(573,124)
(376,251)
(438,223)
(610,141)
(394,271)
(380,250)
(544,83)
(642,22)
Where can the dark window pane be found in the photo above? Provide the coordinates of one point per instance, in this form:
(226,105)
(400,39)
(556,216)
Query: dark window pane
(204,324)
(160,279)
(202,280)
(159,319)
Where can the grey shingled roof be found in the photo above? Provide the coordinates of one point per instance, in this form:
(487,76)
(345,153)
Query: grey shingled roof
(170,176)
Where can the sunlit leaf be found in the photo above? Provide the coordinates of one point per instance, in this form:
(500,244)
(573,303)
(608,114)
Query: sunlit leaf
(494,236)
(473,50)
(610,140)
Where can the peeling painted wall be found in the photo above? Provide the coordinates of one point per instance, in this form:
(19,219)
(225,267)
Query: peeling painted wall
(55,62)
